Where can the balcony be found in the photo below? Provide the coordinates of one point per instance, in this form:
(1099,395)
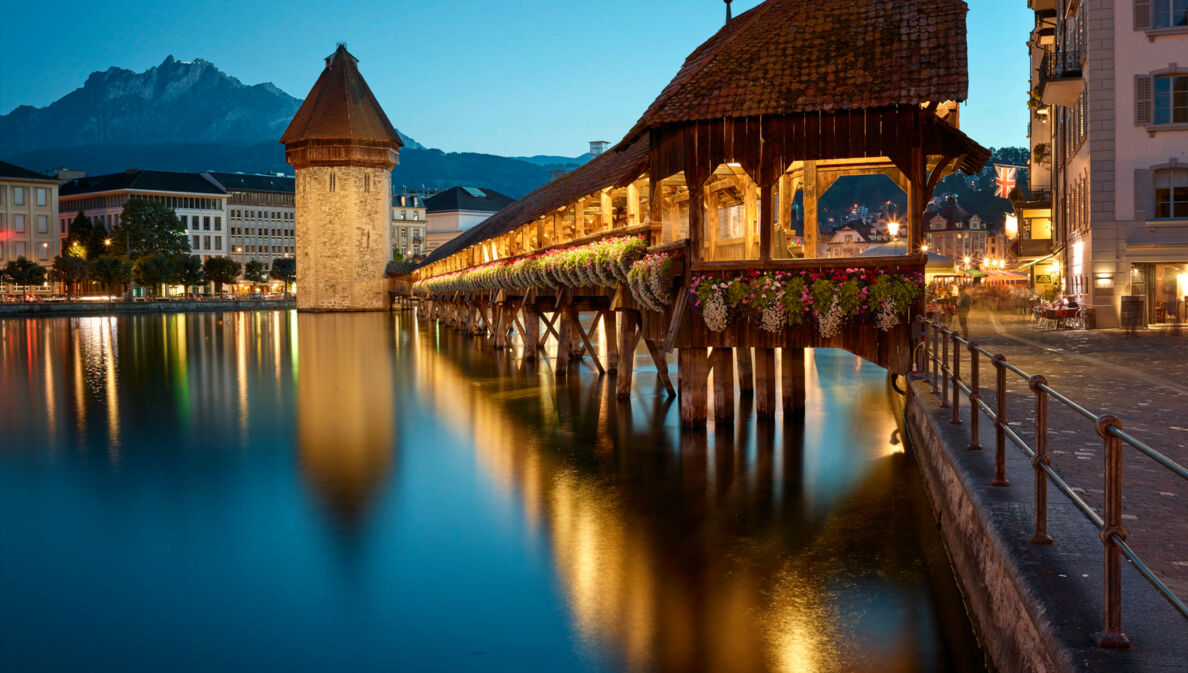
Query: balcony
(1029,203)
(1060,80)
(1034,247)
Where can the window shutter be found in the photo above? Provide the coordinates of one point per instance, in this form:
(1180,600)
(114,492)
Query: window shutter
(1144,195)
(1142,14)
(1143,99)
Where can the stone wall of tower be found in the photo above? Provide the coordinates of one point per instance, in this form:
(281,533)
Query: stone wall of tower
(343,238)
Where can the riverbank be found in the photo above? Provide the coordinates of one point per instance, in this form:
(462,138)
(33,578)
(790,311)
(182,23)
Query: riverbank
(85,308)
(1036,608)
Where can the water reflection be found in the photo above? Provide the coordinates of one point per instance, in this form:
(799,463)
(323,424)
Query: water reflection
(514,520)
(345,409)
(786,545)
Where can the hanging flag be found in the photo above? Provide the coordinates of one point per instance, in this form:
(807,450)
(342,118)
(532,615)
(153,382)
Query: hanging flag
(1005,181)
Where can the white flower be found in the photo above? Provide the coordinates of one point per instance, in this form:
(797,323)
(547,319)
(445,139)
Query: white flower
(829,323)
(888,316)
(714,312)
(773,319)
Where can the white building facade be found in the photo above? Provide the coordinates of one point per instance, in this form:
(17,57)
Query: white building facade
(1112,78)
(196,198)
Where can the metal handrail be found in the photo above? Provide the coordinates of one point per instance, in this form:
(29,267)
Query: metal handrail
(947,381)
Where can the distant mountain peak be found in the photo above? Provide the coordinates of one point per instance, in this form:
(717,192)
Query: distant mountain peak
(188,102)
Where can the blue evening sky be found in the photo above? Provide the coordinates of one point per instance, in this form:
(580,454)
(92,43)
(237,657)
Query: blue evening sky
(514,77)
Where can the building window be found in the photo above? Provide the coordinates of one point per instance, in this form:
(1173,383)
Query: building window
(18,196)
(1171,193)
(195,245)
(43,251)
(1171,98)
(218,223)
(18,223)
(206,243)
(42,224)
(1170,13)
(42,196)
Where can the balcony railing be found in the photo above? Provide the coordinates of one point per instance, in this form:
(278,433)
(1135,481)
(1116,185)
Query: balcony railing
(1061,64)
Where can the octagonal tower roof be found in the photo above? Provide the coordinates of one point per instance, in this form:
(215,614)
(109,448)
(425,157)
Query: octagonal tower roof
(340,106)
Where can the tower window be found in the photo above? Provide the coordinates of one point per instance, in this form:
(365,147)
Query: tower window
(367,183)
(331,182)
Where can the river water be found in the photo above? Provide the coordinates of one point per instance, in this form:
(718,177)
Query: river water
(279,492)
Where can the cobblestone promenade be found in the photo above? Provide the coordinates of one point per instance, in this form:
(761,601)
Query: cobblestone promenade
(1143,380)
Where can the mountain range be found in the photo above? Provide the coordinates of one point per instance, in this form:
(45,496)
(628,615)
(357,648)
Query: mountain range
(191,116)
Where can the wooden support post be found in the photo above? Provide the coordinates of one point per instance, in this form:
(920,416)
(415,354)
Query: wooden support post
(787,195)
(766,222)
(697,236)
(722,362)
(751,215)
(656,210)
(564,339)
(765,382)
(610,337)
(628,339)
(632,205)
(531,332)
(792,366)
(691,377)
(661,361)
(811,232)
(606,210)
(746,375)
(575,329)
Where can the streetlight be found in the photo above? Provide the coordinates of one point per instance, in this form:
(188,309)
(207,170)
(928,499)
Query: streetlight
(893,228)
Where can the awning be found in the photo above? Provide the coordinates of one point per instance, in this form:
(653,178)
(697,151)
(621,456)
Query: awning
(1033,262)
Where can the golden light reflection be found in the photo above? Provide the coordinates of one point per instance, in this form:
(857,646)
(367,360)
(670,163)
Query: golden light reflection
(345,408)
(747,606)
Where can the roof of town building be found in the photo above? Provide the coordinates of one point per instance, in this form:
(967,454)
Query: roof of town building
(340,106)
(482,200)
(950,211)
(142,180)
(13,171)
(256,183)
(613,168)
(795,56)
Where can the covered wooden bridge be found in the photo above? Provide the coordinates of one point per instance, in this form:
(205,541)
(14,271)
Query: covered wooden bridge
(683,236)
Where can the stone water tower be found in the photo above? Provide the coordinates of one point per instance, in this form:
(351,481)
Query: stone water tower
(343,148)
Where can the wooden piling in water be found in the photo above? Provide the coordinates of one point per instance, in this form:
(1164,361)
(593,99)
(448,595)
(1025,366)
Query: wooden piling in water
(531,334)
(722,362)
(692,375)
(792,372)
(746,375)
(628,339)
(610,337)
(765,382)
(564,342)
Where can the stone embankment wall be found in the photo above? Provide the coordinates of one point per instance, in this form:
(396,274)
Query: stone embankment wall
(138,307)
(1035,607)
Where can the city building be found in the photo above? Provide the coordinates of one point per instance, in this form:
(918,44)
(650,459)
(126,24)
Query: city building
(597,147)
(199,201)
(951,231)
(458,209)
(854,238)
(261,216)
(28,216)
(343,149)
(1105,217)
(998,247)
(409,226)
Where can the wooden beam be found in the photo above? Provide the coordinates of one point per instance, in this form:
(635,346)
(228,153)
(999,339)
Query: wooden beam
(610,334)
(766,222)
(577,326)
(658,357)
(811,227)
(696,221)
(751,215)
(691,377)
(606,209)
(678,314)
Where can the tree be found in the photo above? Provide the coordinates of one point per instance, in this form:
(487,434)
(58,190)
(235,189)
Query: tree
(221,270)
(255,272)
(187,271)
(112,271)
(148,229)
(24,271)
(284,269)
(153,271)
(86,238)
(70,271)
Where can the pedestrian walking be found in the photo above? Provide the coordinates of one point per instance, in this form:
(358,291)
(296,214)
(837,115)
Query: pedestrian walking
(964,304)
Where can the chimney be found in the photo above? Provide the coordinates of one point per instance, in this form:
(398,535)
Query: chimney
(728,16)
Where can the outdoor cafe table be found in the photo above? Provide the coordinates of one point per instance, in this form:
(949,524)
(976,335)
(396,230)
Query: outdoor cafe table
(1057,315)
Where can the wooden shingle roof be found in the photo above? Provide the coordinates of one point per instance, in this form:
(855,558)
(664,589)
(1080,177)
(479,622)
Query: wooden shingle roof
(796,56)
(340,106)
